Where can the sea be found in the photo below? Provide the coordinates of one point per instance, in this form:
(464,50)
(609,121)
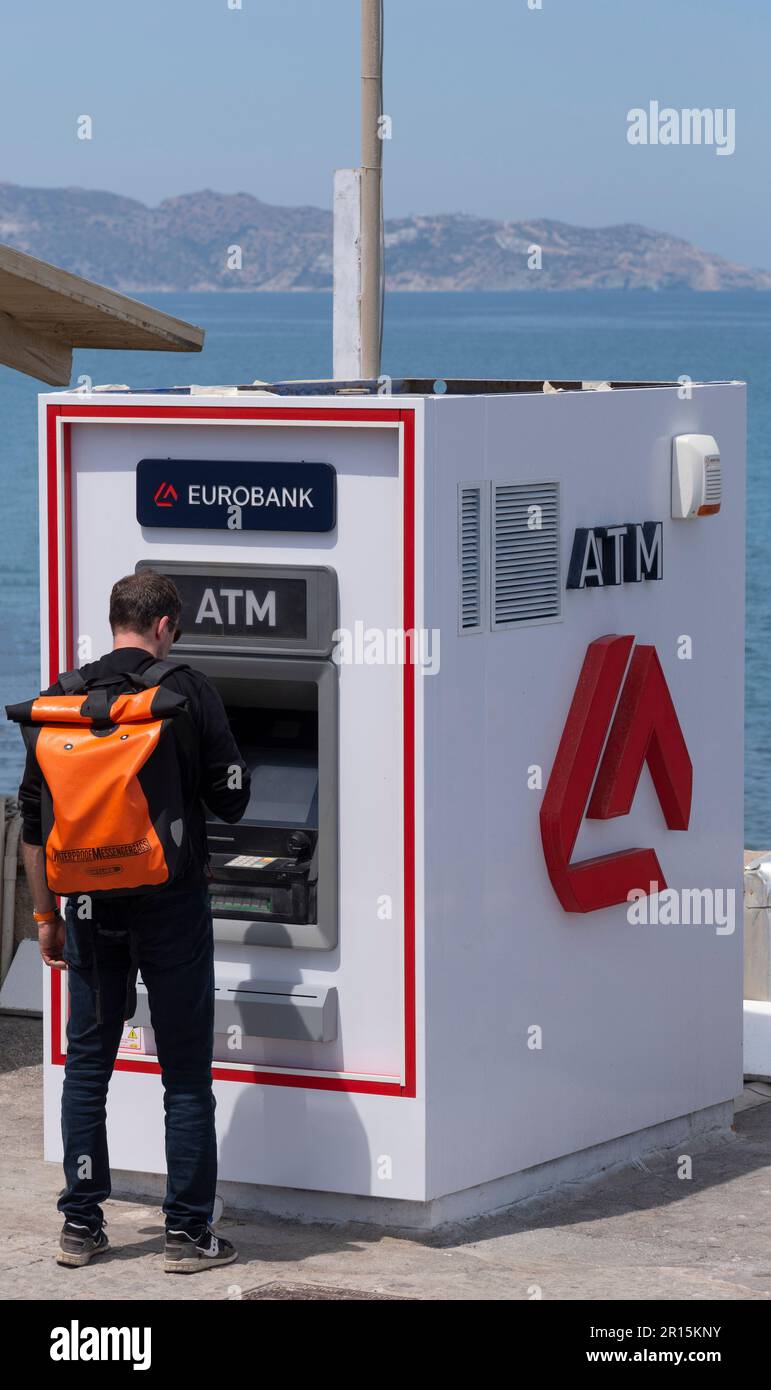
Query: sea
(582,335)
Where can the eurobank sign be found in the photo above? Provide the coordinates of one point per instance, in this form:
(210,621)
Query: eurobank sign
(242,496)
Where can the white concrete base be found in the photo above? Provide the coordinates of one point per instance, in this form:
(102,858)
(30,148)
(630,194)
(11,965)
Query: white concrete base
(496,1196)
(757,1039)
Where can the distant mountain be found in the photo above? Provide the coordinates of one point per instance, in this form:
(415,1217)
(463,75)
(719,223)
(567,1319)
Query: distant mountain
(184,245)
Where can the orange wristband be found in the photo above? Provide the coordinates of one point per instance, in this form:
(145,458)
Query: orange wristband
(43,917)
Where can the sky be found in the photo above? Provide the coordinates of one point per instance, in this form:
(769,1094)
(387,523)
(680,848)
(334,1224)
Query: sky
(497,108)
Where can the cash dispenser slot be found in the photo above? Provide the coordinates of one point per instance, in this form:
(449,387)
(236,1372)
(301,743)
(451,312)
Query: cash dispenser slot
(265,1009)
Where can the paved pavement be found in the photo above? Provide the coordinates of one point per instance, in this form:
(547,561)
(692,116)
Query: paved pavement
(638,1233)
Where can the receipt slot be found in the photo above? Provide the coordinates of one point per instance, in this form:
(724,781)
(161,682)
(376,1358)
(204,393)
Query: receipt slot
(464,647)
(263,636)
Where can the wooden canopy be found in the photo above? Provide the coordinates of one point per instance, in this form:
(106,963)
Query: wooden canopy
(45,312)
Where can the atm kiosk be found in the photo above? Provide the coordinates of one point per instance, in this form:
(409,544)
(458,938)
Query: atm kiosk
(474,646)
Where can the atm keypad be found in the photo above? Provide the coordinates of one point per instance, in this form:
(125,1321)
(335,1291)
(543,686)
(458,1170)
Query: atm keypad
(252,861)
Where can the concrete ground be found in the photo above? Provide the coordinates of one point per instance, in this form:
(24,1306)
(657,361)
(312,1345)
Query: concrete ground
(637,1233)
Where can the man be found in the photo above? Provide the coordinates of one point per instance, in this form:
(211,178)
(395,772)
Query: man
(172,929)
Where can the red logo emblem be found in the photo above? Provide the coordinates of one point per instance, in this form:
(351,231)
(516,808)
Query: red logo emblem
(645,729)
(165,495)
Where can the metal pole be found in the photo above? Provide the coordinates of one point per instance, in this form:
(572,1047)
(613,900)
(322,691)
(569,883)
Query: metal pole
(371,185)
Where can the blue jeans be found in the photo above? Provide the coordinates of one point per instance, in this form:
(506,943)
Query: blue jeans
(175,950)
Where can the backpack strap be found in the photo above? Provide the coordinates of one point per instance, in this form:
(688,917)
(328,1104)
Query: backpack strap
(71,682)
(157,672)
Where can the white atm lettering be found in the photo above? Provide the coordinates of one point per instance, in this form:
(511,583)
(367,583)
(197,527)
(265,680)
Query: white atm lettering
(647,555)
(231,595)
(255,610)
(591,565)
(624,554)
(208,608)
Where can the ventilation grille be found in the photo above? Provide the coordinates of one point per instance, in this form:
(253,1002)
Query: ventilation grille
(526,557)
(712,484)
(470,558)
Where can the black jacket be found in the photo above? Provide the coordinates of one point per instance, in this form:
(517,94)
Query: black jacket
(205,784)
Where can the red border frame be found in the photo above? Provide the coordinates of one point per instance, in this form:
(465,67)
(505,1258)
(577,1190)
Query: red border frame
(252,413)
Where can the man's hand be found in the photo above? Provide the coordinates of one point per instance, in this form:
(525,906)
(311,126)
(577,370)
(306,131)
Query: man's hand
(50,935)
(50,939)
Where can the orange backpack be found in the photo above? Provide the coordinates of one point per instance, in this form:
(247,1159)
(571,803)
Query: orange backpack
(113,811)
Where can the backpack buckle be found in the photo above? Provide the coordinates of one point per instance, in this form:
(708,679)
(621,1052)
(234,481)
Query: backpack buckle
(97,708)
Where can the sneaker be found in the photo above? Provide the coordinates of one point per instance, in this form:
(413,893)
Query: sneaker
(78,1243)
(185,1254)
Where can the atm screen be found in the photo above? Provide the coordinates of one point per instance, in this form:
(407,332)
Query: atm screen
(284,787)
(280,748)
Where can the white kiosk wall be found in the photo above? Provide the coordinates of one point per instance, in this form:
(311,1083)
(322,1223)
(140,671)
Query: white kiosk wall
(453,946)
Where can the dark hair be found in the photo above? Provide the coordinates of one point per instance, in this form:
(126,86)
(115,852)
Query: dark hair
(139,600)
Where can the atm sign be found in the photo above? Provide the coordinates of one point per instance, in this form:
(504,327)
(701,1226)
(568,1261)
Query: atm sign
(236,496)
(242,607)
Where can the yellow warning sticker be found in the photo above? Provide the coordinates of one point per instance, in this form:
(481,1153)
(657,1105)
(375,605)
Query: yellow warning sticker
(133,1039)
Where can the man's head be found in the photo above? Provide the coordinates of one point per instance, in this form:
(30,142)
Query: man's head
(144,612)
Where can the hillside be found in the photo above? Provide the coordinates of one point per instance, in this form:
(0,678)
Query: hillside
(183,245)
